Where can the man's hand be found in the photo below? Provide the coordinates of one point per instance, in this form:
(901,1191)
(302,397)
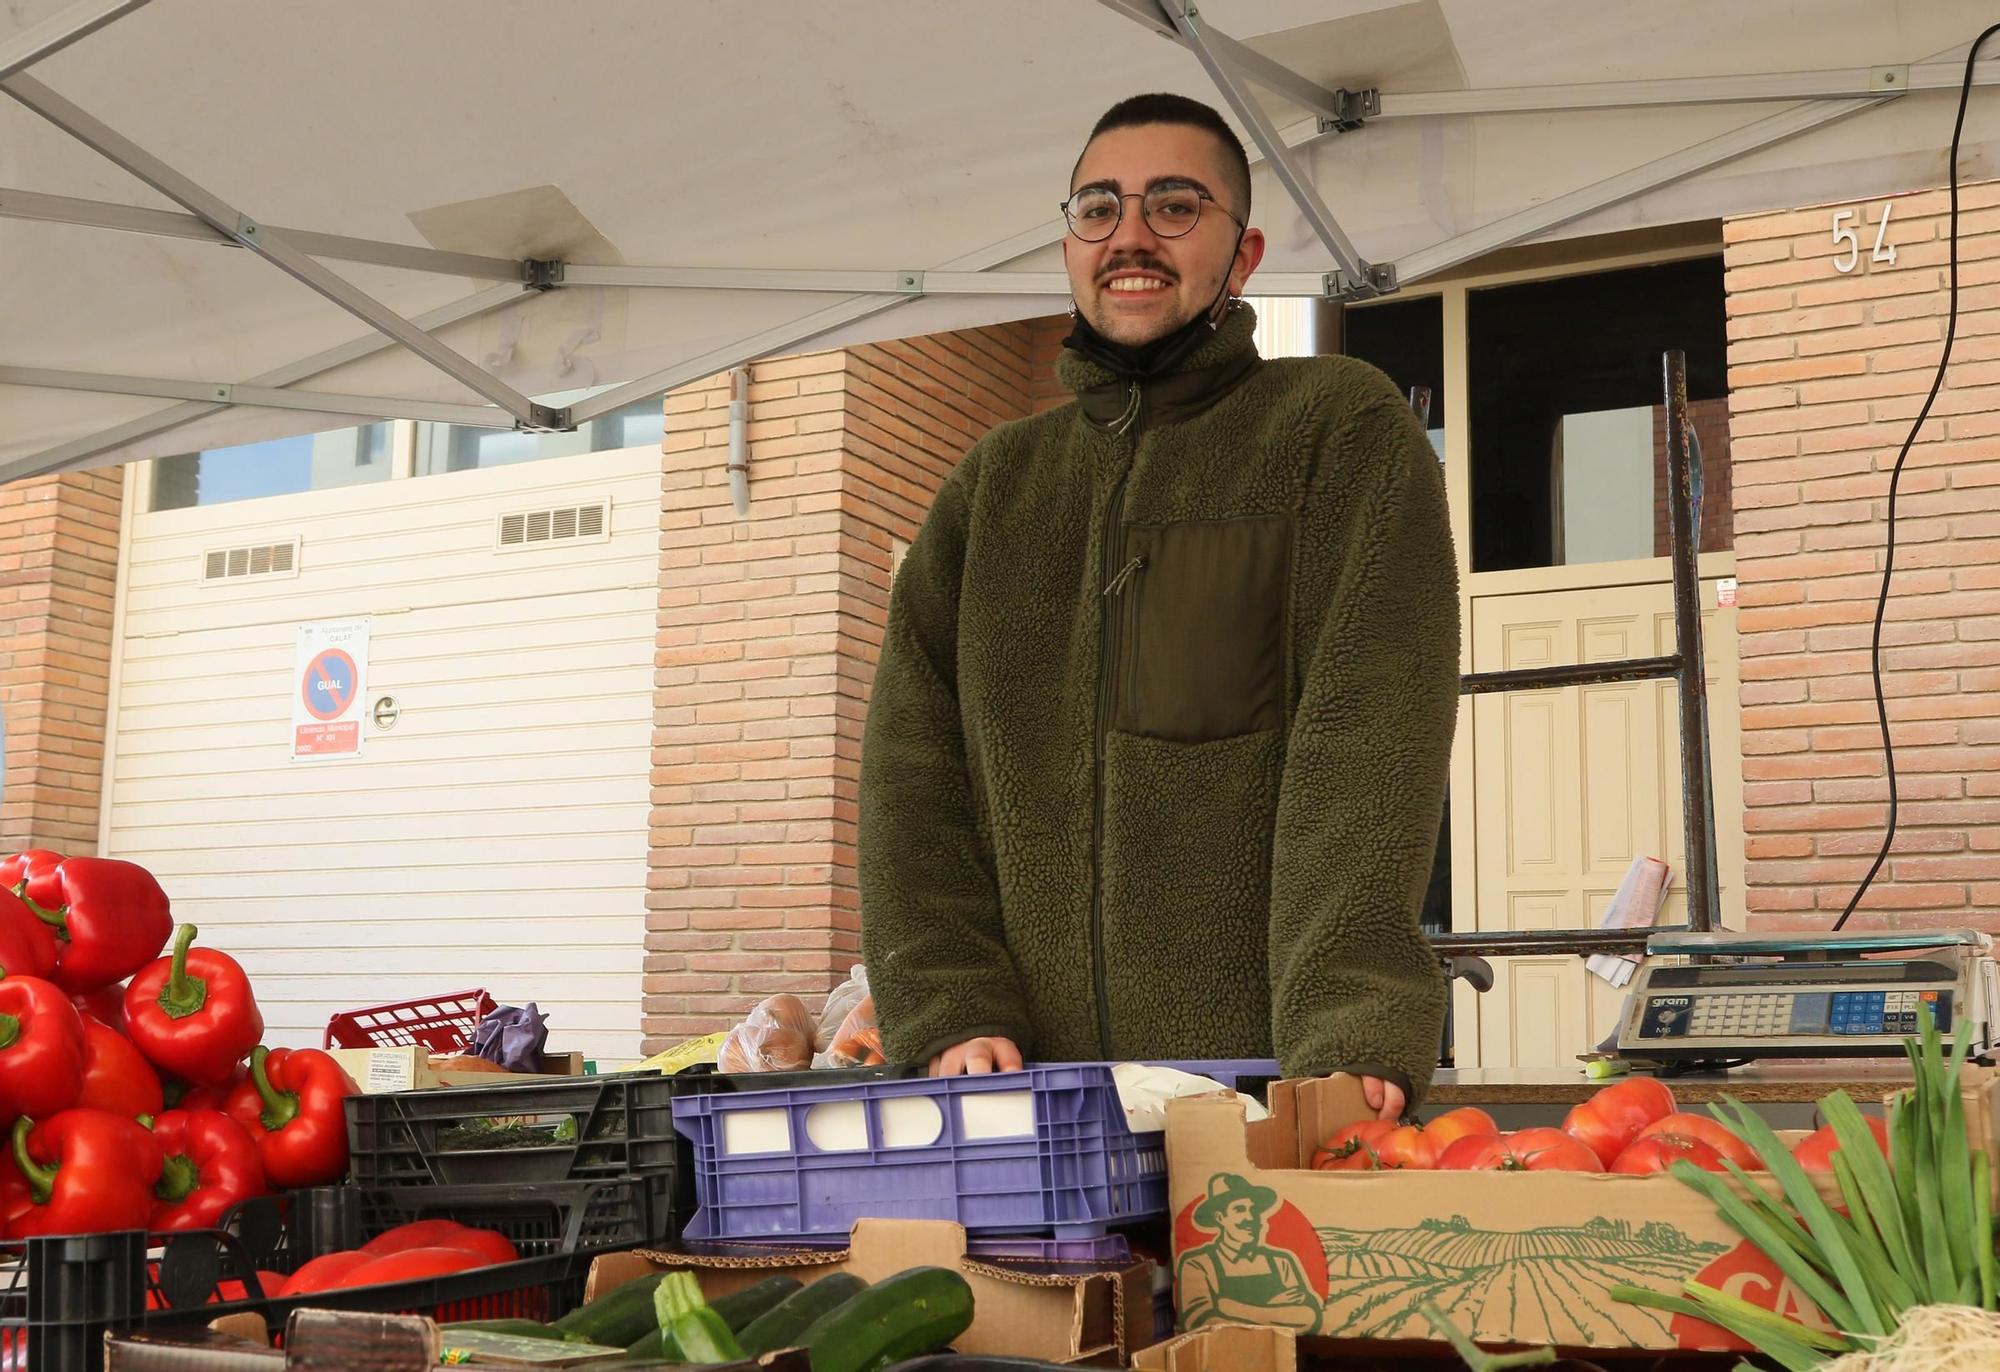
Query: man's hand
(976,1056)
(1385,1098)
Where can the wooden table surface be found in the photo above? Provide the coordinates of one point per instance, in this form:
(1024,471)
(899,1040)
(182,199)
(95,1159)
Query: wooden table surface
(1774,1082)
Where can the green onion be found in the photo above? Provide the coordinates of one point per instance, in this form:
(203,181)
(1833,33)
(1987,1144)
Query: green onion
(1982,1231)
(1872,1175)
(1818,1216)
(1784,1346)
(1894,1293)
(1750,1223)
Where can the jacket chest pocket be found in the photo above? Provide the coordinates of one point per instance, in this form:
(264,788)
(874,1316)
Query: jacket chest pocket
(1202,629)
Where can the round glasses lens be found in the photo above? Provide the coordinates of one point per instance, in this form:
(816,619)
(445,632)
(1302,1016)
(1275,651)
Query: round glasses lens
(1093,214)
(1172,210)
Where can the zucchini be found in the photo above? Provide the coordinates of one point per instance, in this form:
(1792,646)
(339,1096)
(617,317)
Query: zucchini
(912,1313)
(780,1326)
(520,1329)
(618,1318)
(655,1344)
(740,1308)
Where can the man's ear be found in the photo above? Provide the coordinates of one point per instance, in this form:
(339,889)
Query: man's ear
(1249,253)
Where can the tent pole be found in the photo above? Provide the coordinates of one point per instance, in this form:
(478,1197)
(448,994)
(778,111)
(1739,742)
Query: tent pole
(258,397)
(781,338)
(1274,76)
(58,31)
(99,214)
(79,451)
(100,137)
(1355,278)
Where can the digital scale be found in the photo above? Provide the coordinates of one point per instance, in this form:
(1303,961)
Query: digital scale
(1729,996)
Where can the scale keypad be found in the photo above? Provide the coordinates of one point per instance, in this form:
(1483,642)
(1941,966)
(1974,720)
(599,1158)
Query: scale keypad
(1792,1014)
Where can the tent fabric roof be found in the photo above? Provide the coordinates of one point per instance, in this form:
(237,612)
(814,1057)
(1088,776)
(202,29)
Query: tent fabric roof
(875,135)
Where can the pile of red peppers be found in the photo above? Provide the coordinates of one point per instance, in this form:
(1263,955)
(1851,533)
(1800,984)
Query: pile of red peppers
(134,1087)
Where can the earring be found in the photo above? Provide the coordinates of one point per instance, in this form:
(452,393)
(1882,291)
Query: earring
(1072,307)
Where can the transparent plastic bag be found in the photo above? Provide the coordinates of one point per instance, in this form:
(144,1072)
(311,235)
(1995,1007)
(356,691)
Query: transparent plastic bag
(840,1003)
(776,1036)
(858,1040)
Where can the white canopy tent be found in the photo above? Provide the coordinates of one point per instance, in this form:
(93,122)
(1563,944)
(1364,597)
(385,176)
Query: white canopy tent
(223,221)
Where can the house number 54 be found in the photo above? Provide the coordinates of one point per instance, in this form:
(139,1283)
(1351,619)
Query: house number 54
(1847,239)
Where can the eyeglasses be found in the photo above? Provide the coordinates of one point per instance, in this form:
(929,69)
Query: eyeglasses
(1170,209)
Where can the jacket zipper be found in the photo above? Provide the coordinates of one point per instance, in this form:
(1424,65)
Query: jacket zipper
(1107,663)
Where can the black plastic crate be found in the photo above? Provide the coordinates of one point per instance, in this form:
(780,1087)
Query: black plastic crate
(576,1130)
(61,1295)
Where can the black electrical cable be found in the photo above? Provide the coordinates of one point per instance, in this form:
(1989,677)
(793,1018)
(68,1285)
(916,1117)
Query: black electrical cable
(1896,476)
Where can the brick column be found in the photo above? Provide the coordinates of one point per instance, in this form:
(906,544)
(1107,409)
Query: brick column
(58,577)
(1827,372)
(769,630)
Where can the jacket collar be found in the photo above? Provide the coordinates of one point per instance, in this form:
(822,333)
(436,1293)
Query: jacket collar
(1205,376)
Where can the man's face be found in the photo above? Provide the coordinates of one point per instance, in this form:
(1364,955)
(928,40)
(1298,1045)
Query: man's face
(1136,286)
(1240,1219)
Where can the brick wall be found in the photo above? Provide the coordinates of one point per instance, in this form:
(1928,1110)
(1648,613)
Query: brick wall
(1710,421)
(1827,372)
(769,631)
(58,570)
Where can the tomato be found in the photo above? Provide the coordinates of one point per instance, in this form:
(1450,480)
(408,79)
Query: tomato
(415,1234)
(411,1264)
(1612,1118)
(1707,1131)
(1658,1152)
(1352,1149)
(489,1244)
(322,1273)
(1465,1122)
(1407,1147)
(1526,1150)
(1815,1151)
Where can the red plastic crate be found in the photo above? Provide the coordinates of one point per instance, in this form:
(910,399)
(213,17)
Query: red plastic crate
(441,1024)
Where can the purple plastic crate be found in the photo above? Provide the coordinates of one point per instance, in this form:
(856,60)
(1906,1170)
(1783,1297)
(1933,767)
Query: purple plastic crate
(1072,1170)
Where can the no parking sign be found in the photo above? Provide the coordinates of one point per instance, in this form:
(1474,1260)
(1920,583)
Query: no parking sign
(326,690)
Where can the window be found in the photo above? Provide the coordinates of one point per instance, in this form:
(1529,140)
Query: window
(276,466)
(455,448)
(1568,430)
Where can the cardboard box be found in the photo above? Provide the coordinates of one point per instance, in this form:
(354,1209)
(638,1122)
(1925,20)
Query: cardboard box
(1224,1348)
(412,1068)
(1524,1258)
(1062,1314)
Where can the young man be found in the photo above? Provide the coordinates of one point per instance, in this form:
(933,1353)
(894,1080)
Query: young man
(1160,732)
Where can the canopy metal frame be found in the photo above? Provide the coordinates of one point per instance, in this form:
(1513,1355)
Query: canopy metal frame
(1232,66)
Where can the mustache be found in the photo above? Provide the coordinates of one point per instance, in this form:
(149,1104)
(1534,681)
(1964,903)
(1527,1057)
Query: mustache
(1144,262)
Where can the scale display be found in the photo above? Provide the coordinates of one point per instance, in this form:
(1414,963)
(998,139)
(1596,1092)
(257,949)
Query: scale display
(1845,996)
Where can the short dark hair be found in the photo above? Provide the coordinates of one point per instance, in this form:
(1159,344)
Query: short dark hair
(1164,108)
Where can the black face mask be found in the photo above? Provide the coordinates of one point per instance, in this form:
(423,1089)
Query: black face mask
(1145,361)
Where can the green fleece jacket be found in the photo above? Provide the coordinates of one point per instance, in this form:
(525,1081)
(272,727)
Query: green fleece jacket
(1157,749)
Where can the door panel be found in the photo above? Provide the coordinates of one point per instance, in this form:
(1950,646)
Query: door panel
(1570,786)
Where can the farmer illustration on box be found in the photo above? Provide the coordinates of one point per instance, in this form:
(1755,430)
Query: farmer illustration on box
(1234,1276)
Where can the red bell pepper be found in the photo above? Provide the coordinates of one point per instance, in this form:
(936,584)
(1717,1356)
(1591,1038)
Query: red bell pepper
(106,1005)
(27,946)
(292,1105)
(17,1198)
(182,1096)
(90,1172)
(211,1163)
(110,918)
(116,1076)
(41,1048)
(192,1013)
